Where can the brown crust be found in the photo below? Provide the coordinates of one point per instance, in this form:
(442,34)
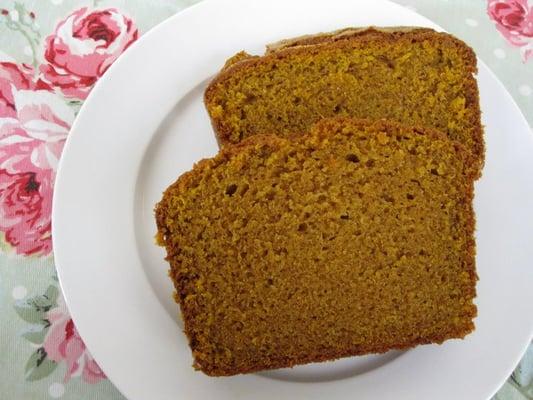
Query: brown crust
(341,34)
(184,183)
(346,37)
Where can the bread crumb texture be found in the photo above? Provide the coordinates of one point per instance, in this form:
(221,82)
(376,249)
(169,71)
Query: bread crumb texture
(414,76)
(355,238)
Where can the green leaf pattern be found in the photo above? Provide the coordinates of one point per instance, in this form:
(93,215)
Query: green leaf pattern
(35,333)
(34,311)
(38,366)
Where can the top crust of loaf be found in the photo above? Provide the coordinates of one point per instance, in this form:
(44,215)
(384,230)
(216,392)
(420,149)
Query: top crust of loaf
(341,34)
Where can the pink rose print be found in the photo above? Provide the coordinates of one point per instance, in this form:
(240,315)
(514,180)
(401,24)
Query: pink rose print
(25,206)
(63,344)
(514,20)
(13,76)
(91,371)
(30,146)
(34,138)
(83,47)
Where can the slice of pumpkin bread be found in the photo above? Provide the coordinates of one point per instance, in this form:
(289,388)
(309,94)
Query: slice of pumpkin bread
(412,75)
(356,238)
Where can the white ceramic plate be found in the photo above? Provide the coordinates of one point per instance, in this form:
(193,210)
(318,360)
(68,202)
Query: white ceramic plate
(144,124)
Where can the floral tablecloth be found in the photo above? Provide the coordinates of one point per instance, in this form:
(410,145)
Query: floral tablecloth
(51,54)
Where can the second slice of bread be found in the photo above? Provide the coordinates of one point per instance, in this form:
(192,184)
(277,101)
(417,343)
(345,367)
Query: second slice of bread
(411,75)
